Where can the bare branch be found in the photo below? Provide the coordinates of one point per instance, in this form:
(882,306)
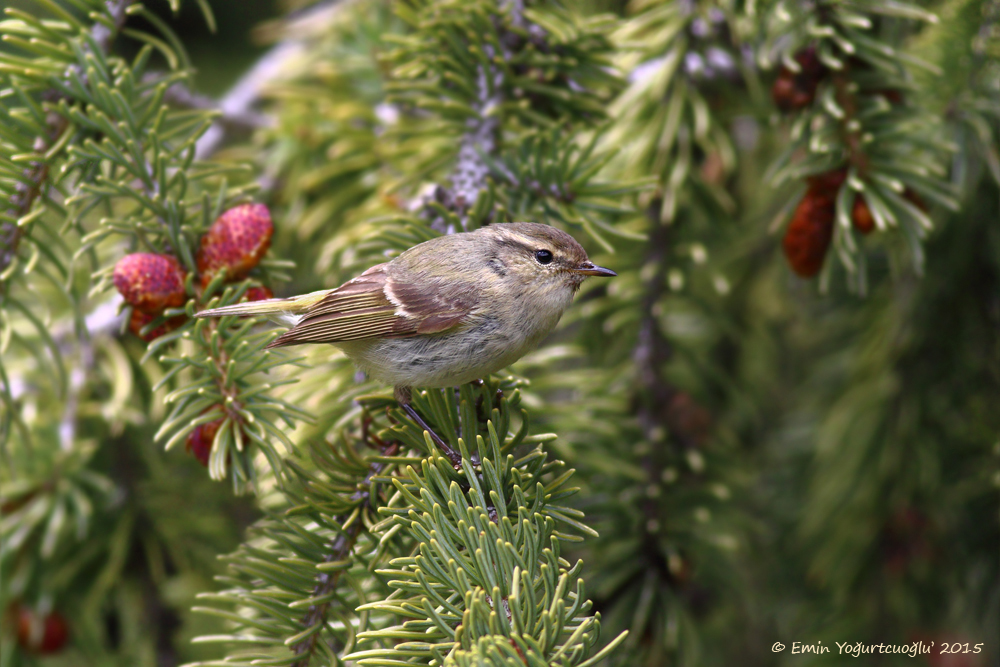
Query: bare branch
(239,101)
(182,96)
(237,104)
(469,176)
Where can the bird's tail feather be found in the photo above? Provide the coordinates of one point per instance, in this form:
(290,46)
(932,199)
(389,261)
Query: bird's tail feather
(283,311)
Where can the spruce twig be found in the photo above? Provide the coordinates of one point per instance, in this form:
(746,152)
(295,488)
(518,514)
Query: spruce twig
(479,142)
(31,186)
(36,174)
(341,549)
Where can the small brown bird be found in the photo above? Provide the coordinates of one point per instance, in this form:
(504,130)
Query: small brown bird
(445,312)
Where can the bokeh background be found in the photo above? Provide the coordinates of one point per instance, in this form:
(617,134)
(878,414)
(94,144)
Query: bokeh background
(767,458)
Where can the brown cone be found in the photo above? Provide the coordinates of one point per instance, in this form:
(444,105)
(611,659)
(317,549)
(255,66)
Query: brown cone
(861,216)
(809,233)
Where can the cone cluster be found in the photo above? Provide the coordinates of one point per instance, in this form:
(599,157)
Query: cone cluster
(151,283)
(810,231)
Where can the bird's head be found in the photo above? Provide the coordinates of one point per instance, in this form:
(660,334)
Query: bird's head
(539,256)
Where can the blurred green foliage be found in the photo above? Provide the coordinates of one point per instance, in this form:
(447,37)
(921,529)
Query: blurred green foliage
(759,458)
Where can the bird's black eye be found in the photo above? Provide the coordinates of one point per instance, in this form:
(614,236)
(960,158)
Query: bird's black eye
(543,256)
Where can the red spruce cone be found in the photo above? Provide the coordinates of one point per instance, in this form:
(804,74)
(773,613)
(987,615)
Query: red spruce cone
(199,441)
(827,183)
(793,91)
(150,283)
(42,636)
(236,241)
(258,294)
(140,319)
(785,95)
(861,216)
(810,232)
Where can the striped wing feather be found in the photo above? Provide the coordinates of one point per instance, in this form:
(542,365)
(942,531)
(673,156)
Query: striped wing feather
(374,305)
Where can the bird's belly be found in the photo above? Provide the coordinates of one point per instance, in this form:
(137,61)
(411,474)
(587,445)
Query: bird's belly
(446,359)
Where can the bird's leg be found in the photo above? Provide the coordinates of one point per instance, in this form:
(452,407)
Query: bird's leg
(453,456)
(403,398)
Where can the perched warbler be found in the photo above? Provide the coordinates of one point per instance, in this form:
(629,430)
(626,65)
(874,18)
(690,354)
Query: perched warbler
(445,312)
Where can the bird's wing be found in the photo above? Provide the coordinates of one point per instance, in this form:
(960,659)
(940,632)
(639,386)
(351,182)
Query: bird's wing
(377,305)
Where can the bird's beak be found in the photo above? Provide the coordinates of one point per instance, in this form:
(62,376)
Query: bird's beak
(591,269)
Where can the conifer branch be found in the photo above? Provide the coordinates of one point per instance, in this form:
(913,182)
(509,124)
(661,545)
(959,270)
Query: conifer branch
(685,52)
(31,185)
(546,77)
(870,157)
(453,551)
(131,155)
(341,549)
(479,143)
(471,170)
(35,175)
(652,349)
(25,193)
(479,140)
